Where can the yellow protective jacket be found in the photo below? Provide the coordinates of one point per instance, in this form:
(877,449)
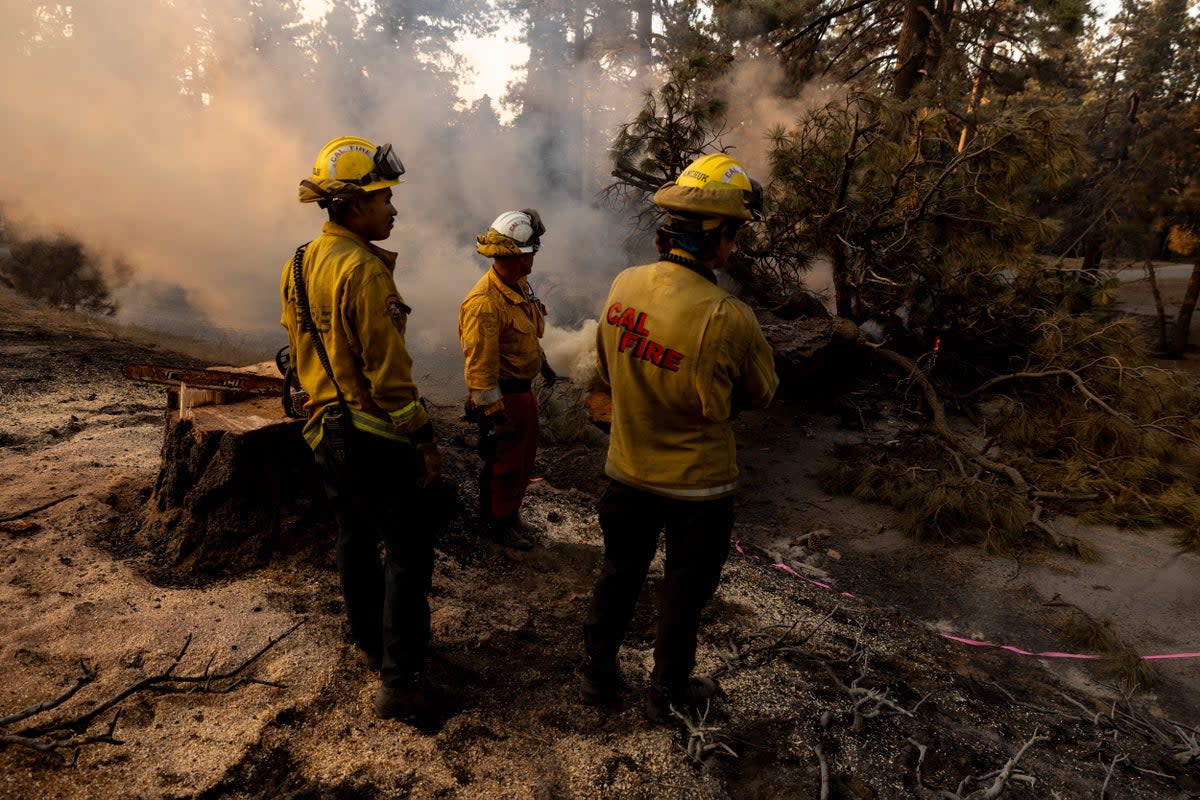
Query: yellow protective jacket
(499,328)
(681,356)
(361,318)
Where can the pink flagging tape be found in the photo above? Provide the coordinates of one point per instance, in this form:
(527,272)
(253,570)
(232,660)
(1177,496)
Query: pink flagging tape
(1017,650)
(737,545)
(786,568)
(1087,656)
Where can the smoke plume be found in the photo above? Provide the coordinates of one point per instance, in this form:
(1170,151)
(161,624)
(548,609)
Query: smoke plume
(166,136)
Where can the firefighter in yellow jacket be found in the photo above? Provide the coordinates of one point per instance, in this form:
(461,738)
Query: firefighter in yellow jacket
(372,439)
(500,323)
(682,357)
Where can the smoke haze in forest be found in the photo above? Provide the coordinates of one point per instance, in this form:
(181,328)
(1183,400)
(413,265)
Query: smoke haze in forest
(156,134)
(201,199)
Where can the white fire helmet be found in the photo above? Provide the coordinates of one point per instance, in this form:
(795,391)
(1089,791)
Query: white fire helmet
(518,226)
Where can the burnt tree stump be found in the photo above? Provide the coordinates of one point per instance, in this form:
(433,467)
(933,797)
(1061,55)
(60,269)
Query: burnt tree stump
(237,485)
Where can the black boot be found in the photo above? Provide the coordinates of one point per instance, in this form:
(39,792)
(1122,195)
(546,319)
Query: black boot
(509,532)
(600,682)
(662,702)
(411,699)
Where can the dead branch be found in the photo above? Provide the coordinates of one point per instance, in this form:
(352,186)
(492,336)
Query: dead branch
(820,754)
(793,648)
(868,703)
(1066,498)
(626,172)
(1095,716)
(74,744)
(1040,709)
(1052,373)
(1188,750)
(738,656)
(1036,522)
(1088,394)
(1108,775)
(1154,772)
(31,511)
(939,419)
(702,738)
(87,677)
(999,778)
(1003,775)
(940,794)
(49,736)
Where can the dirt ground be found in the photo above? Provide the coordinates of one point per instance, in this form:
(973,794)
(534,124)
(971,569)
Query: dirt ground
(826,635)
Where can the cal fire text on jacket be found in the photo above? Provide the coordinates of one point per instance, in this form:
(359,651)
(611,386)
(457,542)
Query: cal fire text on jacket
(636,341)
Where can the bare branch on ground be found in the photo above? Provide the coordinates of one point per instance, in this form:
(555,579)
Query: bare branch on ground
(31,511)
(67,734)
(940,426)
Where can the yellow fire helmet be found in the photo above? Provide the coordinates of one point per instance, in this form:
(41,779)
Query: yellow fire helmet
(349,165)
(714,185)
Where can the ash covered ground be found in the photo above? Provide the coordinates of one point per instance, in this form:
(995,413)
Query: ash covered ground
(847,690)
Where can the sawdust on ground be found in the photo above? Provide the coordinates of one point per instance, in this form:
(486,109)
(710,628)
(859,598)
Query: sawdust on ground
(836,679)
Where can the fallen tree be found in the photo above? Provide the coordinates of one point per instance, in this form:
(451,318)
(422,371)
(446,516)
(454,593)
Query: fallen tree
(1093,431)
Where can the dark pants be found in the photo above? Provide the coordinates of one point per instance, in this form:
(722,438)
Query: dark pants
(697,544)
(376,499)
(508,460)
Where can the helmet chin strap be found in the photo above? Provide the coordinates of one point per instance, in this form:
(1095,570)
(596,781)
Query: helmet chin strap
(315,189)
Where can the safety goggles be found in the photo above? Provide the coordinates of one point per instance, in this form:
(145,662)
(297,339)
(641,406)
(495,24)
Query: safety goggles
(754,199)
(387,163)
(386,166)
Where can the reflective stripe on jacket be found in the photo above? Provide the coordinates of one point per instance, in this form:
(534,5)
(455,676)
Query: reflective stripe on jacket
(679,353)
(499,328)
(361,318)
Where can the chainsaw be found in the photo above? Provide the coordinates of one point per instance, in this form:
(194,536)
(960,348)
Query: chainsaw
(223,380)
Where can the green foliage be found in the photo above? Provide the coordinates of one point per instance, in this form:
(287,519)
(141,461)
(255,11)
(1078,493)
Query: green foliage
(911,224)
(1085,420)
(677,122)
(931,502)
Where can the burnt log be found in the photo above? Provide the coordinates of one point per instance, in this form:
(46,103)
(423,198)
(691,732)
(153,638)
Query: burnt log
(798,341)
(817,358)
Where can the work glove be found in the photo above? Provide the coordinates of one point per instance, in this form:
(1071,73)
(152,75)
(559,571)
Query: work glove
(423,439)
(433,463)
(472,412)
(497,419)
(598,402)
(549,376)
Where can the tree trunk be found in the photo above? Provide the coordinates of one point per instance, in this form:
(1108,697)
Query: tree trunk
(237,484)
(1183,322)
(1093,251)
(913,46)
(1160,312)
(843,286)
(644,34)
(940,34)
(977,91)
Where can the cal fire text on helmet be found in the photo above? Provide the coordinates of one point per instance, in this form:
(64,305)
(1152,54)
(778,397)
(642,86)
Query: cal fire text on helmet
(635,339)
